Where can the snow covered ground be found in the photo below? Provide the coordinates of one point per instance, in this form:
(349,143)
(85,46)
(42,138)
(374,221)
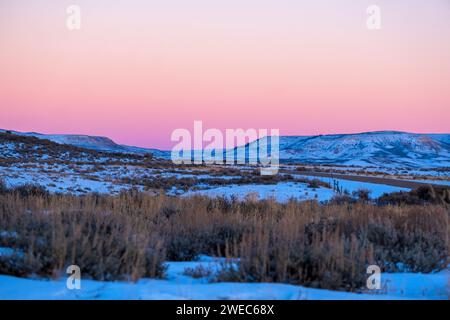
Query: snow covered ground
(282,191)
(61,182)
(62,170)
(84,178)
(81,172)
(376,190)
(181,286)
(399,172)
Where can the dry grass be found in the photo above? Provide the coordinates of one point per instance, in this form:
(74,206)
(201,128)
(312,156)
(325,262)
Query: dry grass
(132,234)
(107,238)
(331,246)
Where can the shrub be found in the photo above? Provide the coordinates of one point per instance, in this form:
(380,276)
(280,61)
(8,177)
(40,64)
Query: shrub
(28,190)
(106,242)
(314,184)
(331,246)
(421,195)
(3,187)
(199,272)
(341,199)
(130,235)
(362,194)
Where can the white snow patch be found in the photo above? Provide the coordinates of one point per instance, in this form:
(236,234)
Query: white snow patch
(180,286)
(281,192)
(376,190)
(6,252)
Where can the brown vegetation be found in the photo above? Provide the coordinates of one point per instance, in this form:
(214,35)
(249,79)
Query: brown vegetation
(129,236)
(421,195)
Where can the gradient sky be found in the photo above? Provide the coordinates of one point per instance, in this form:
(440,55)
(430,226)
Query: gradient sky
(137,70)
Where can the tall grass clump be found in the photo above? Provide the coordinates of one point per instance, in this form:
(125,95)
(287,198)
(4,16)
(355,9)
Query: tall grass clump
(109,238)
(131,235)
(331,246)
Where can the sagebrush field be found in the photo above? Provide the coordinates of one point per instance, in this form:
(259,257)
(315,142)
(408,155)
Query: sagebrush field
(131,235)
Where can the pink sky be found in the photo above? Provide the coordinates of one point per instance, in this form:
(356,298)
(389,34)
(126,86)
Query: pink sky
(137,70)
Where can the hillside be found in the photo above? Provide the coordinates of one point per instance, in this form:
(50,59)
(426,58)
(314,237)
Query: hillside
(382,148)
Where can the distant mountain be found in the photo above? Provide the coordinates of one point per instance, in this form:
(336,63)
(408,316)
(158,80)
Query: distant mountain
(384,148)
(92,142)
(380,148)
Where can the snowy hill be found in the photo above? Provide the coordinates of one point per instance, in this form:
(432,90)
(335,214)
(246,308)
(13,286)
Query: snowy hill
(382,148)
(379,148)
(91,142)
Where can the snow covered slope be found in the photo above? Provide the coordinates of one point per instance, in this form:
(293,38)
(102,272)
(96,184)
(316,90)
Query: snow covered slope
(92,142)
(381,148)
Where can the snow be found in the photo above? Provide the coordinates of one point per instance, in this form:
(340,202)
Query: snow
(194,176)
(62,178)
(433,286)
(83,173)
(179,286)
(74,184)
(378,171)
(85,178)
(387,149)
(376,190)
(8,234)
(93,142)
(281,192)
(284,191)
(6,252)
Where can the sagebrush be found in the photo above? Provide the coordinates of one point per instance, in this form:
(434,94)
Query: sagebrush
(131,235)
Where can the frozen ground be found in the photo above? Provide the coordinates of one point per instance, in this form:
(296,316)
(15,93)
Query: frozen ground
(63,178)
(110,179)
(83,172)
(282,191)
(399,172)
(180,286)
(61,169)
(376,190)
